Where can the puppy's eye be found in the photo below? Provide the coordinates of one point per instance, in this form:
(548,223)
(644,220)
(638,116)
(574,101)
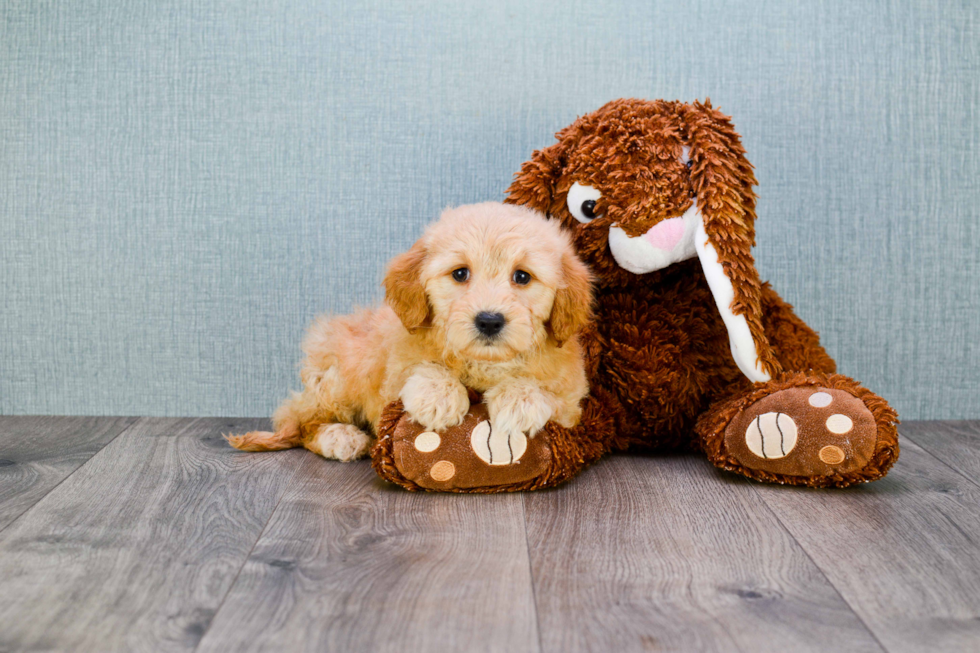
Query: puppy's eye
(521,278)
(581,202)
(461,274)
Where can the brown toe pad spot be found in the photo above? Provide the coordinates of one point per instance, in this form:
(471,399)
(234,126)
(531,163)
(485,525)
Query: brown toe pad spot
(442,471)
(832,455)
(804,431)
(447,460)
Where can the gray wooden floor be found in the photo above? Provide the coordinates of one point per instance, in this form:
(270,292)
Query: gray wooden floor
(124,534)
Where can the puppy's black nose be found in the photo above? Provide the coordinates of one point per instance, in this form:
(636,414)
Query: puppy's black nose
(489,324)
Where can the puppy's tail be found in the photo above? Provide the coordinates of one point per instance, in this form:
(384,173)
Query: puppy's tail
(287,437)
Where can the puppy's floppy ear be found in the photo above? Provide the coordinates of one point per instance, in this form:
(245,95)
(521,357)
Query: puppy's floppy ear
(534,184)
(723,179)
(573,300)
(404,291)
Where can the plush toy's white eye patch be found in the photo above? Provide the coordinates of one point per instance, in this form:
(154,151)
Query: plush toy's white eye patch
(581,202)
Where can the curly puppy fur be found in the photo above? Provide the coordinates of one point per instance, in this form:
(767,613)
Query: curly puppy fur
(425,347)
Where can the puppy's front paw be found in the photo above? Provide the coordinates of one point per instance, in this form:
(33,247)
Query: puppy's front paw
(435,398)
(519,406)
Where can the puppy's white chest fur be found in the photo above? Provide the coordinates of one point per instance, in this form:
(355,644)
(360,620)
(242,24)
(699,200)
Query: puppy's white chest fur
(483,375)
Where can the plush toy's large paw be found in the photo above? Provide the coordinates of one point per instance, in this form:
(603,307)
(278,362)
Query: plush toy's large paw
(820,430)
(469,457)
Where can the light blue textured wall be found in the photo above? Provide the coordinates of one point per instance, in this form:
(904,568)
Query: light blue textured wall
(184,185)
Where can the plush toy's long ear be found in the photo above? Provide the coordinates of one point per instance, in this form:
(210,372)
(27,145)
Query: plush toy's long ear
(404,290)
(723,181)
(534,184)
(573,300)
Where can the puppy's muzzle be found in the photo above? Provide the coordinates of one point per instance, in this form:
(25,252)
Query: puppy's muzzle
(489,324)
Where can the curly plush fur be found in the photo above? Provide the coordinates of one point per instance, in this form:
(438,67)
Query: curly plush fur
(659,353)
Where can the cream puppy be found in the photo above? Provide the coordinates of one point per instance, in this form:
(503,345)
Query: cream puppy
(490,298)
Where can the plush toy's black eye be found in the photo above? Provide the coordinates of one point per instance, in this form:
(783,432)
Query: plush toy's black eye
(689,164)
(588,209)
(522,278)
(581,201)
(461,274)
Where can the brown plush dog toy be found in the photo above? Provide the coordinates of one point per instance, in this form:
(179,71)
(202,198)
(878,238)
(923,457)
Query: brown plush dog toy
(687,347)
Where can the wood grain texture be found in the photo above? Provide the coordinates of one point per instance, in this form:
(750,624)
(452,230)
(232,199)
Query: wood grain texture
(167,540)
(665,553)
(136,550)
(37,453)
(955,443)
(903,551)
(351,564)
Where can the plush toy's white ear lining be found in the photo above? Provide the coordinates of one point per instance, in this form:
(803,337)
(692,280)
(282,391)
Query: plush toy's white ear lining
(739,336)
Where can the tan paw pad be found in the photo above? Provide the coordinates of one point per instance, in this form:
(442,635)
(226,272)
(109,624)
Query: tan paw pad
(832,455)
(442,471)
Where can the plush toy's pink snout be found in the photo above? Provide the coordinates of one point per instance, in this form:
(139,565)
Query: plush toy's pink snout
(666,234)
